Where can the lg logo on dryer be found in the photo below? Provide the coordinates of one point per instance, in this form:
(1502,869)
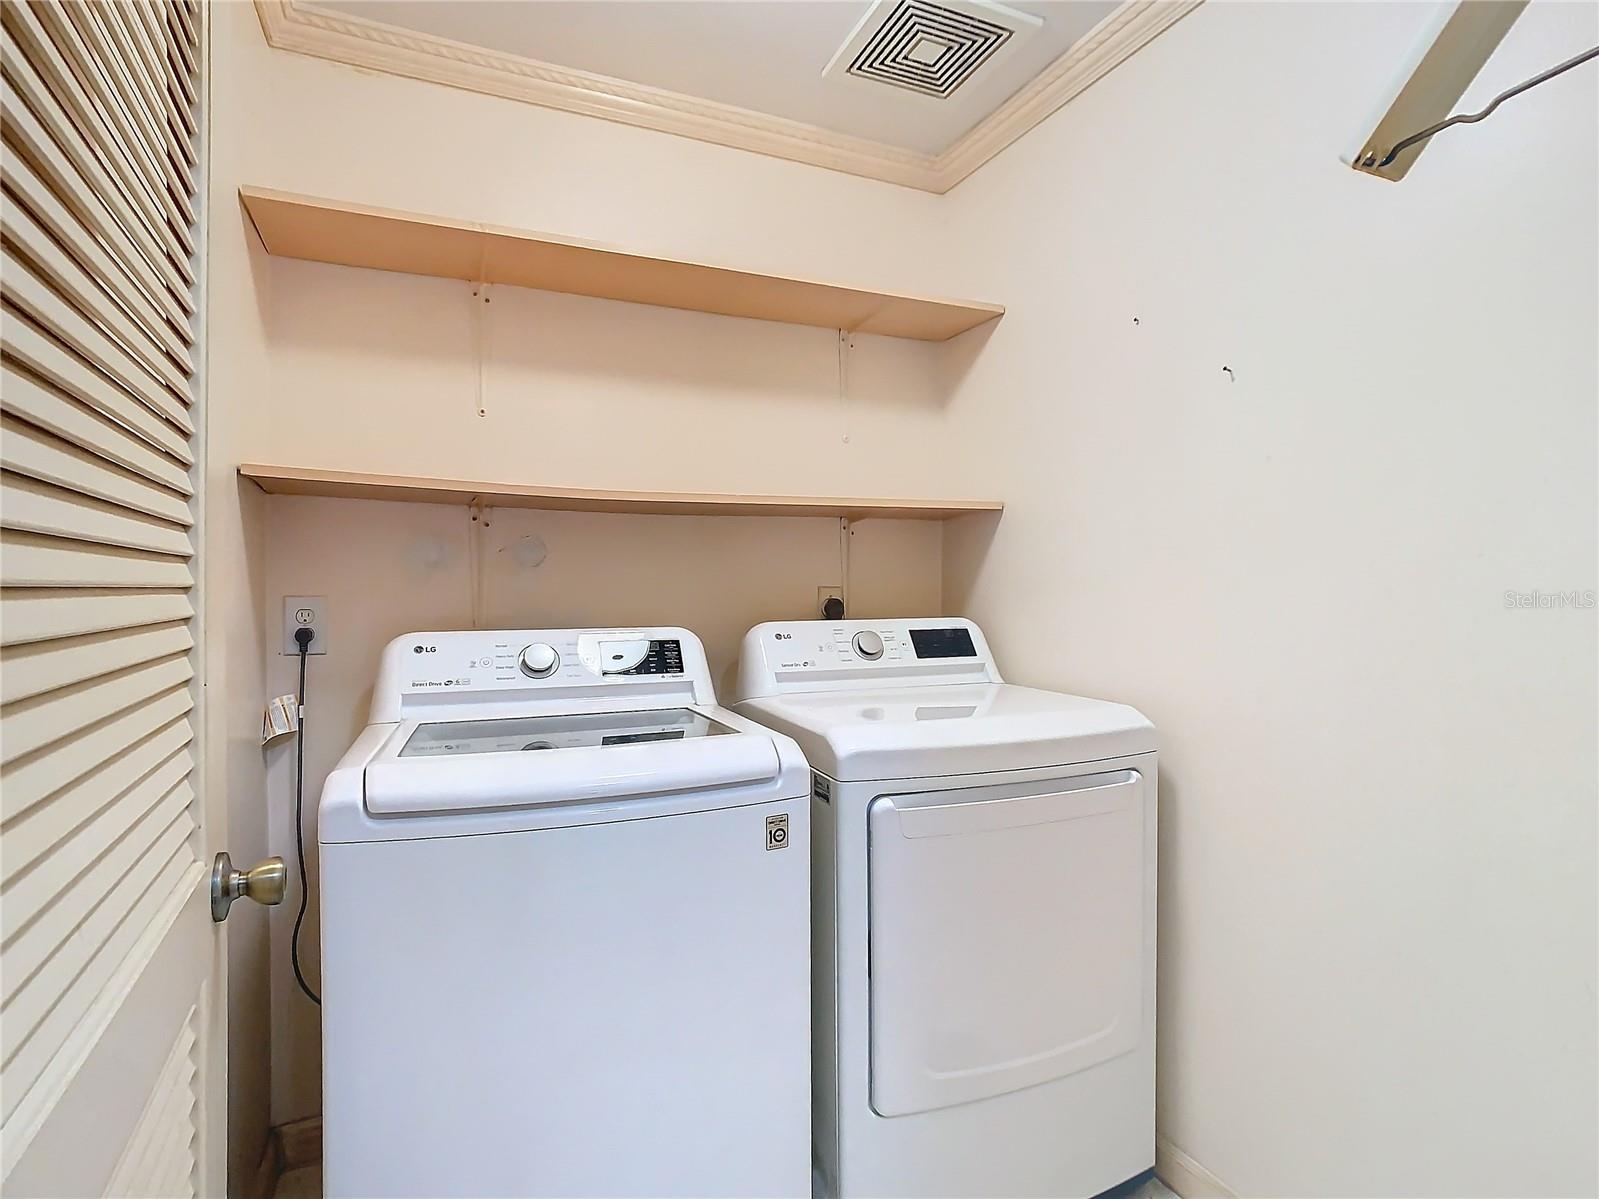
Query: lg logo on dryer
(424,649)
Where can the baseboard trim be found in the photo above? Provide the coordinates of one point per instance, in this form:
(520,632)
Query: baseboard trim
(299,1142)
(1185,1176)
(288,1147)
(264,1181)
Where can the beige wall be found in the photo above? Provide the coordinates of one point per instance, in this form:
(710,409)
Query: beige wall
(389,569)
(373,370)
(1378,968)
(380,371)
(323,366)
(233,554)
(1378,789)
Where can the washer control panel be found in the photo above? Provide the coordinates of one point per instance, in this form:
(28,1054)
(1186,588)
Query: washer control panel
(539,660)
(499,665)
(631,655)
(869,644)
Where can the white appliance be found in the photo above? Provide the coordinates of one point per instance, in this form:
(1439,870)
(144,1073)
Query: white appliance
(565,909)
(983,928)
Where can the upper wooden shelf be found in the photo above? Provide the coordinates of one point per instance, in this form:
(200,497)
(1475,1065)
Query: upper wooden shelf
(294,480)
(355,235)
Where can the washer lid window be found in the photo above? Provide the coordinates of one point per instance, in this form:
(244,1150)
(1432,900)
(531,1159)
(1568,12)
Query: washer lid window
(589,730)
(594,758)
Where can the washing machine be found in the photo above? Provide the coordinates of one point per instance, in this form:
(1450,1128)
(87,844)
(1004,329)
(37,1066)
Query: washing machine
(565,927)
(983,913)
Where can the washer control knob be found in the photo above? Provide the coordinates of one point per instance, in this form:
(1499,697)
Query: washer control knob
(540,661)
(869,645)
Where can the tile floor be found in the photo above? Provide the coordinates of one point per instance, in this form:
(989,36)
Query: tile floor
(1145,1186)
(306,1183)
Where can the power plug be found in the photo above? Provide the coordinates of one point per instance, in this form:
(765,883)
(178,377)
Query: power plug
(305,613)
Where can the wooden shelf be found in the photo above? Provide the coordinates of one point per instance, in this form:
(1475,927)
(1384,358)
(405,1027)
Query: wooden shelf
(355,235)
(294,480)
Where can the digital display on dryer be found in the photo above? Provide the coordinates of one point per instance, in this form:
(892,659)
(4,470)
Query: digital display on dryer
(943,643)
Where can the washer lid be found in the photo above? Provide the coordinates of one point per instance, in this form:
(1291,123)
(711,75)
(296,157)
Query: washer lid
(897,734)
(538,760)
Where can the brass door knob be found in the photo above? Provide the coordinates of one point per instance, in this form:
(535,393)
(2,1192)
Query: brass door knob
(264,882)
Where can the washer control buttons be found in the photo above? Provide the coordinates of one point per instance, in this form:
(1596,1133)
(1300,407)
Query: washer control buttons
(539,661)
(869,645)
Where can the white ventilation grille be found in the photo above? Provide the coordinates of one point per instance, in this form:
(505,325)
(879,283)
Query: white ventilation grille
(929,48)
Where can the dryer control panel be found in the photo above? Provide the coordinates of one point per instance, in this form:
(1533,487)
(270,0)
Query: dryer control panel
(582,668)
(820,655)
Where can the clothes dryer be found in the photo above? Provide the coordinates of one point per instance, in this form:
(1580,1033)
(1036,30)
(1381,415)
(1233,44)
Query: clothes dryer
(983,929)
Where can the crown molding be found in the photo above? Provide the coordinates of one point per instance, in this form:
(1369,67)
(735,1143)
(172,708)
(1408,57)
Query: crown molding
(301,27)
(356,41)
(1101,50)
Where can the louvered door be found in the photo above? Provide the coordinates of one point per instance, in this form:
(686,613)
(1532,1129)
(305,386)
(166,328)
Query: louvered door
(111,1013)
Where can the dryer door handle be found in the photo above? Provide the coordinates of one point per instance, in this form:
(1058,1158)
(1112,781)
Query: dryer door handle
(923,815)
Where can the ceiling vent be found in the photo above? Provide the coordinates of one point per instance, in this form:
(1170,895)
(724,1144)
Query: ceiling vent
(930,48)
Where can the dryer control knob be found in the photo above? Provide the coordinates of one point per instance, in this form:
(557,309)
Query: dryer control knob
(869,645)
(540,661)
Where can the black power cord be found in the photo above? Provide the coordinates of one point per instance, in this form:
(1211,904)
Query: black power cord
(302,638)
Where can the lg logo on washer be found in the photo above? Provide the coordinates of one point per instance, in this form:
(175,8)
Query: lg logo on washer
(424,649)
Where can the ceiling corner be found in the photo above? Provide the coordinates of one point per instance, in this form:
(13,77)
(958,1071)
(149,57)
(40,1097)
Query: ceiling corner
(304,28)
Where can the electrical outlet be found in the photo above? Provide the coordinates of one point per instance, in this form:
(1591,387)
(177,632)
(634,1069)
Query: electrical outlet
(823,594)
(305,612)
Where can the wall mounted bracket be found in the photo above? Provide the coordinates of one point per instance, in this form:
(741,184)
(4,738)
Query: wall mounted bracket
(1444,61)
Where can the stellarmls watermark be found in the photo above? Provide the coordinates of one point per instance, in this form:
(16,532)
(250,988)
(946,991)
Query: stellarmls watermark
(1552,599)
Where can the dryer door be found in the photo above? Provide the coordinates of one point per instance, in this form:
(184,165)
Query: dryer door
(1007,929)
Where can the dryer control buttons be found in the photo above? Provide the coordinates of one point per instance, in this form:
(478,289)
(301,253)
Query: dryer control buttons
(539,661)
(869,645)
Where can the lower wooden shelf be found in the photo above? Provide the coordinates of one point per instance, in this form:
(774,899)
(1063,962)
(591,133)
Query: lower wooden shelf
(295,480)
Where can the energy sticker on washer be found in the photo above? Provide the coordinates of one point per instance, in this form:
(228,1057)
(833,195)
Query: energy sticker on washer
(777,831)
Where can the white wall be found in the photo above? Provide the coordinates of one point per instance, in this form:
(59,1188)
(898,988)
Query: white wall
(1378,790)
(325,366)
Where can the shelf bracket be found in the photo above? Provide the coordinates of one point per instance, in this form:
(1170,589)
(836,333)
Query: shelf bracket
(846,343)
(845,533)
(480,339)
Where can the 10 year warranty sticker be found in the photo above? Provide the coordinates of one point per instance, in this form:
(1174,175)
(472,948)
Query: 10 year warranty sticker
(777,831)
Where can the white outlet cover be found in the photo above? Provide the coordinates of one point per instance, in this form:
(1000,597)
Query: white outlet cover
(300,611)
